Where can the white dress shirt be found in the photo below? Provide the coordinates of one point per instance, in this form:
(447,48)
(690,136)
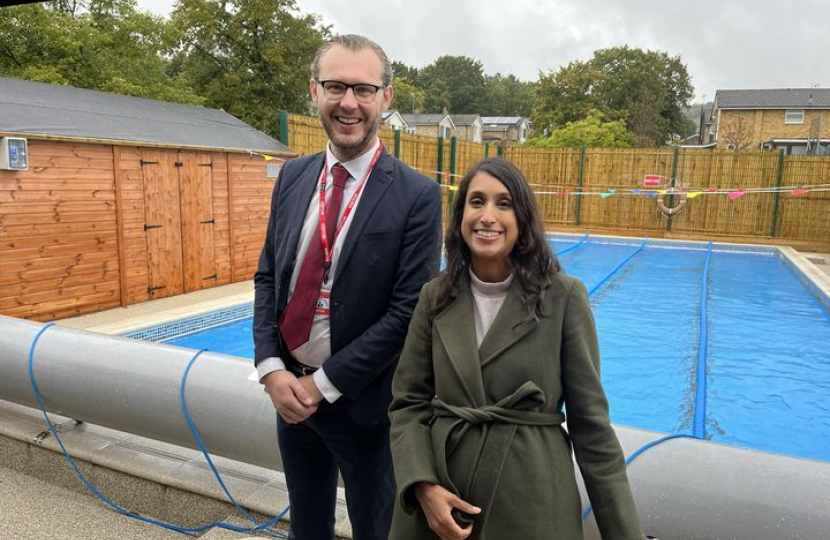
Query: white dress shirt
(317,349)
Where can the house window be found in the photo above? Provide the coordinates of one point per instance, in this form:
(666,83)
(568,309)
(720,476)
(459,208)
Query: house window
(794,117)
(410,130)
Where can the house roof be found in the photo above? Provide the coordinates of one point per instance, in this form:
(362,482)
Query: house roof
(424,119)
(464,119)
(502,120)
(782,98)
(45,109)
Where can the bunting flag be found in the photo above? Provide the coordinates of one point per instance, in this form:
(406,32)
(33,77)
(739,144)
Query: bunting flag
(607,193)
(799,191)
(692,194)
(736,194)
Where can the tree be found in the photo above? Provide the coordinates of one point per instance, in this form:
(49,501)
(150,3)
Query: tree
(592,131)
(453,82)
(407,97)
(736,134)
(399,69)
(249,57)
(105,45)
(647,89)
(505,95)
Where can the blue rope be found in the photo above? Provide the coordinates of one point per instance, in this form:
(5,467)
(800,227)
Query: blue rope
(617,268)
(216,474)
(101,496)
(699,423)
(573,247)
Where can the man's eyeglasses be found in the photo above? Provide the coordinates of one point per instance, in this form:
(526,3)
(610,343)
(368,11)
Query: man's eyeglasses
(336,90)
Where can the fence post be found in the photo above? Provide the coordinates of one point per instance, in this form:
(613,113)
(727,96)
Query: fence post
(440,161)
(398,143)
(672,182)
(778,183)
(500,150)
(578,207)
(284,127)
(486,149)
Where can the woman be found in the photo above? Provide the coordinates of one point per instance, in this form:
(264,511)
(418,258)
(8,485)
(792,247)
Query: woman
(499,345)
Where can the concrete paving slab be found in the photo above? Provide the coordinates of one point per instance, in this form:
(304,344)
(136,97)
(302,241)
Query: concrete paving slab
(32,509)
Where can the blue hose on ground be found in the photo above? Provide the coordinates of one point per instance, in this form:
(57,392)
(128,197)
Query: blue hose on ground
(617,268)
(699,422)
(573,247)
(101,496)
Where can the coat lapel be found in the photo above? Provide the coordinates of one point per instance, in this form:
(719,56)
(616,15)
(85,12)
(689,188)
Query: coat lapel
(456,328)
(376,185)
(509,326)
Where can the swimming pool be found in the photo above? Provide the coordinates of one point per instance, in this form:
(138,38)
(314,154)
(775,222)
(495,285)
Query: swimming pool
(765,382)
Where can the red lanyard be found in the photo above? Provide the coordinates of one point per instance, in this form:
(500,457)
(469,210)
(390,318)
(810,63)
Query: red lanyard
(327,250)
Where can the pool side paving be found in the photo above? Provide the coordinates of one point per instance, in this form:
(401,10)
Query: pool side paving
(43,499)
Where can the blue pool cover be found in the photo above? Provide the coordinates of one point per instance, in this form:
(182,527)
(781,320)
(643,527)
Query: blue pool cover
(767,355)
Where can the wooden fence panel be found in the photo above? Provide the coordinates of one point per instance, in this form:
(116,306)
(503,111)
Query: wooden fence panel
(305,134)
(805,215)
(557,175)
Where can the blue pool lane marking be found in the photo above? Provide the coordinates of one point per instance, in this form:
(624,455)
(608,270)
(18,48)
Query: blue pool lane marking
(699,423)
(616,269)
(573,247)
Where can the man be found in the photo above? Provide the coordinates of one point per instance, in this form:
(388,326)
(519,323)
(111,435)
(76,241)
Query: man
(352,237)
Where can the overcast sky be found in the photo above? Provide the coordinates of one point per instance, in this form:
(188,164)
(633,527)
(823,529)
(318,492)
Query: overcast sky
(725,44)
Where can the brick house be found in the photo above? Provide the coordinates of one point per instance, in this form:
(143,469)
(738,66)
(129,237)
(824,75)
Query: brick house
(505,129)
(430,125)
(393,120)
(796,119)
(468,127)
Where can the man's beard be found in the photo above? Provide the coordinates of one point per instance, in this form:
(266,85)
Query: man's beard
(350,149)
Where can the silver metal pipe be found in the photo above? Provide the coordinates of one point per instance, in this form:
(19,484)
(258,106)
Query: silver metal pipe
(684,488)
(133,386)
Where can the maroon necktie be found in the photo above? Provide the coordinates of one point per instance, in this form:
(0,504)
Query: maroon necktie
(295,324)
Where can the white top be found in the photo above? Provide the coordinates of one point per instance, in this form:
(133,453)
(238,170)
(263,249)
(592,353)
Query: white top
(317,349)
(487,301)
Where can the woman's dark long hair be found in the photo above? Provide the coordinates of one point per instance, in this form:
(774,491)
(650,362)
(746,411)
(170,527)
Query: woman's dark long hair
(532,260)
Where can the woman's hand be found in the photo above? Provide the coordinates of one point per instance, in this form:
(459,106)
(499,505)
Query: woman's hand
(437,503)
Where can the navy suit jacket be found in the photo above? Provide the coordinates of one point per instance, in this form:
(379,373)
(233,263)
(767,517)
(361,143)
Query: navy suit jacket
(391,249)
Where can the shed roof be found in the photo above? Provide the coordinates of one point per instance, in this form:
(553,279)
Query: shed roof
(46,109)
(780,98)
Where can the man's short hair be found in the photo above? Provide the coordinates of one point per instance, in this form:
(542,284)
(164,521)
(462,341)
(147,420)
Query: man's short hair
(353,42)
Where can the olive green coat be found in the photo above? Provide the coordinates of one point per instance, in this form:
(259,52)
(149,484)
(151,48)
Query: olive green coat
(486,422)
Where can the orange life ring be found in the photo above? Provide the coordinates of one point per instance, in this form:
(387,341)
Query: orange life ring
(674,210)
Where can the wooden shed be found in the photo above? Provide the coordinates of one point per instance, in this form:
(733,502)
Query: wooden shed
(126,199)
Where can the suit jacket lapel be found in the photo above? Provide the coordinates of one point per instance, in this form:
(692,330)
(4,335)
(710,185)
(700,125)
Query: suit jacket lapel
(509,326)
(456,329)
(376,185)
(306,186)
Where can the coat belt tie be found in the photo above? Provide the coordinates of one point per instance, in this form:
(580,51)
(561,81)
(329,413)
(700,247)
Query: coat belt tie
(499,423)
